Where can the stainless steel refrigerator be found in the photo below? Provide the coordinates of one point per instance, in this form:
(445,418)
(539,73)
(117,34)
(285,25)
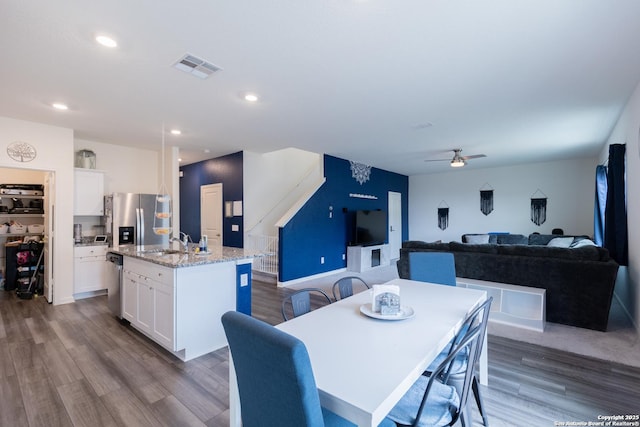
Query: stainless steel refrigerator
(129,216)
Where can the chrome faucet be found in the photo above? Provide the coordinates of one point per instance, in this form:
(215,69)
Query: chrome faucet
(184,241)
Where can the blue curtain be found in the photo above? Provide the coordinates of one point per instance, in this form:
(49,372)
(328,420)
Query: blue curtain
(615,221)
(600,205)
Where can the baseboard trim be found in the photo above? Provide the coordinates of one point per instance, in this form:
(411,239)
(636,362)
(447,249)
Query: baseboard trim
(304,279)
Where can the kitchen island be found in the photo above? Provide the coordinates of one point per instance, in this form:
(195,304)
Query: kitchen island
(177,298)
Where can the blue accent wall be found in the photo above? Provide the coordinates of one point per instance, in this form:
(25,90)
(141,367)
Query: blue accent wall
(226,170)
(312,234)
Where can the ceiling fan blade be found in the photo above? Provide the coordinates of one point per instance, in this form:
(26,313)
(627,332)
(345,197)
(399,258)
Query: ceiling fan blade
(475,156)
(438,160)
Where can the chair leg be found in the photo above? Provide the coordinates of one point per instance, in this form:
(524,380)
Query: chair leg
(463,419)
(476,394)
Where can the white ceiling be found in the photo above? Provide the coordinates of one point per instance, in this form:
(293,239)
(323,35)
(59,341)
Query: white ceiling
(520,81)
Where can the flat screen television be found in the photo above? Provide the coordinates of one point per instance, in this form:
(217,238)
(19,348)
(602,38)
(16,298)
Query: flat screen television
(371,227)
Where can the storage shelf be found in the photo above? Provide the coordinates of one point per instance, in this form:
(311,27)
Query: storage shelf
(20,234)
(17,215)
(20,196)
(521,306)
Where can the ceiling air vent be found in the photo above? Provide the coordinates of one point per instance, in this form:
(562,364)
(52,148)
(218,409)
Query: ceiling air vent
(196,66)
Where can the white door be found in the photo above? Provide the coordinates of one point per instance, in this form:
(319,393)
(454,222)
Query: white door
(211,213)
(49,206)
(395,224)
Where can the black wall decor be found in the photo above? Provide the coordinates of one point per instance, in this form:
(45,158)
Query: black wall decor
(486,201)
(443,218)
(443,215)
(538,207)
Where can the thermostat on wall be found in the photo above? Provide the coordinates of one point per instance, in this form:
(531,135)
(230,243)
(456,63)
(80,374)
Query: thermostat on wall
(100,238)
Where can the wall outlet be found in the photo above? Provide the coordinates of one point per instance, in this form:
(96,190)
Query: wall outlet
(321,260)
(344,257)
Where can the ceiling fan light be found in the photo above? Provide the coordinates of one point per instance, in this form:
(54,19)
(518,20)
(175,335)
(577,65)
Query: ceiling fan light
(457,163)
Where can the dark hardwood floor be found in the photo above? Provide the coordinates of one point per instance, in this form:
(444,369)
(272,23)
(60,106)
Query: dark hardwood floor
(76,365)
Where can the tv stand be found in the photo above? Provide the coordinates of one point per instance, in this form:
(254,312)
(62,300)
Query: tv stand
(363,258)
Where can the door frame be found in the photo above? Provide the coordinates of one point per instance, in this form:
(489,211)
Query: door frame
(394,207)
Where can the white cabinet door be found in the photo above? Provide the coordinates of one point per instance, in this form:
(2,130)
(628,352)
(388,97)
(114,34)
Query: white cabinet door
(130,296)
(149,300)
(89,193)
(89,268)
(145,319)
(164,309)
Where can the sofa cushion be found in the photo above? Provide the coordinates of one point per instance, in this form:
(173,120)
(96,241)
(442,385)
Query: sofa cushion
(479,238)
(560,242)
(512,239)
(541,239)
(580,242)
(544,239)
(419,244)
(586,253)
(470,247)
(476,238)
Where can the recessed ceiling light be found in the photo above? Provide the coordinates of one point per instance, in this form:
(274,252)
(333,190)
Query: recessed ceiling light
(179,159)
(176,132)
(106,41)
(59,106)
(251,97)
(206,150)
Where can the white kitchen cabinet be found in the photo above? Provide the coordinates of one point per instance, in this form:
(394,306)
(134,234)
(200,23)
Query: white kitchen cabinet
(89,268)
(164,315)
(88,193)
(130,296)
(149,300)
(179,308)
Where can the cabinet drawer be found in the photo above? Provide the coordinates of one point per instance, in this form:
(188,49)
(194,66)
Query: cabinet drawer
(153,271)
(90,251)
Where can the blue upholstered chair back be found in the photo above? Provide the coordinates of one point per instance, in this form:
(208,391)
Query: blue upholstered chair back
(434,267)
(275,380)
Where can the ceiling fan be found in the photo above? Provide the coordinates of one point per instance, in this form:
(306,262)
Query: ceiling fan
(458,160)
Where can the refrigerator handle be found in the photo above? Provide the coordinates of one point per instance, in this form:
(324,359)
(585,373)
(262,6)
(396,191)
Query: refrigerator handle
(140,226)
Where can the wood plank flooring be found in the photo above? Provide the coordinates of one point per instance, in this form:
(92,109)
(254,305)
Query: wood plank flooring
(77,365)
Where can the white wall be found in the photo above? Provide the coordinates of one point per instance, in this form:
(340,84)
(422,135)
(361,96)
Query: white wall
(54,147)
(127,169)
(568,185)
(273,182)
(626,132)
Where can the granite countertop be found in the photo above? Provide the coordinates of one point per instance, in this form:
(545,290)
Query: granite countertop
(173,258)
(89,241)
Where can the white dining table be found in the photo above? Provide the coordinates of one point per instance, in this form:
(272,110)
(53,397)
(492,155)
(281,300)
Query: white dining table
(363,365)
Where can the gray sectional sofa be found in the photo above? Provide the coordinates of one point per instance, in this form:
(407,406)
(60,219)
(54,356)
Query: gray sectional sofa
(579,280)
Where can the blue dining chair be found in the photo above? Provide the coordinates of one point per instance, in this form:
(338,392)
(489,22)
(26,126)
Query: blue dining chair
(344,286)
(299,302)
(479,317)
(432,401)
(434,267)
(275,379)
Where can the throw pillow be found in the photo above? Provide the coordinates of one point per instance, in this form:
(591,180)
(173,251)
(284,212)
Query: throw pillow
(560,242)
(477,238)
(582,242)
